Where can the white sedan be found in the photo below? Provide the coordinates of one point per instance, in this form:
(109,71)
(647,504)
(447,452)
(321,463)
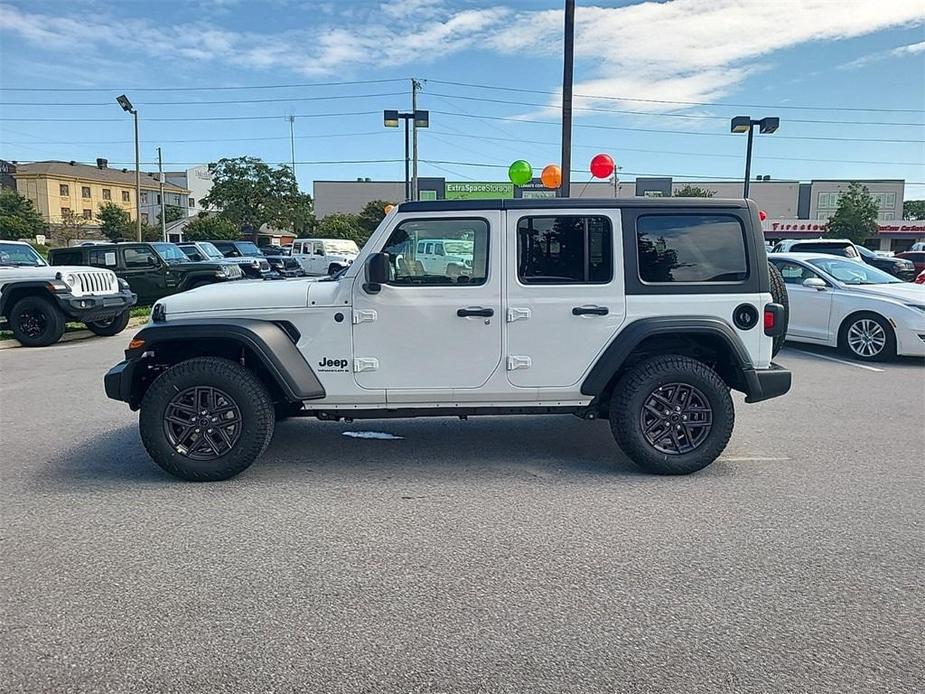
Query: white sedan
(865,312)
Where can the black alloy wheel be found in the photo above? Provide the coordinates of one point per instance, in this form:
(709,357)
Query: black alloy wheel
(676,418)
(202,423)
(33,323)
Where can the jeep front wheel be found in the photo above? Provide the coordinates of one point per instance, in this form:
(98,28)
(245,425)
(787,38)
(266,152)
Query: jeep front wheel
(672,415)
(36,322)
(206,419)
(110,327)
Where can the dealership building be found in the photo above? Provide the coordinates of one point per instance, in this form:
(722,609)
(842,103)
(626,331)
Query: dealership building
(794,209)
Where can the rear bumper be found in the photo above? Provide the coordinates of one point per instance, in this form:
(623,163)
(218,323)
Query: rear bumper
(94,308)
(764,384)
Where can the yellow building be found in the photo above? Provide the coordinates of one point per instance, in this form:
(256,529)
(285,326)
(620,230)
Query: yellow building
(57,188)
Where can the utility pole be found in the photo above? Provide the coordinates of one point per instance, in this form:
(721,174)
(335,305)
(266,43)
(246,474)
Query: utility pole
(160,177)
(567,74)
(137,179)
(292,141)
(415,85)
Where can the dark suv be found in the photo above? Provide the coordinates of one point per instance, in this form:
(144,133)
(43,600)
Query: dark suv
(902,268)
(248,256)
(153,270)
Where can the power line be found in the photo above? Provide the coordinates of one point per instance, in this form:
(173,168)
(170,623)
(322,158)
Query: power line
(681,103)
(682,153)
(90,143)
(207,103)
(184,120)
(201,89)
(687,116)
(679,132)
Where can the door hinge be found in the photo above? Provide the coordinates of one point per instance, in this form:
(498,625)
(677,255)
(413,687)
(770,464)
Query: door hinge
(518,362)
(365,364)
(518,314)
(363,315)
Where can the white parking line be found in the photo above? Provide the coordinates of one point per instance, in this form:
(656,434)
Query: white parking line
(752,460)
(838,361)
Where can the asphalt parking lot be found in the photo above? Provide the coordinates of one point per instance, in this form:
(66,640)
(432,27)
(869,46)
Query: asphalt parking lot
(493,555)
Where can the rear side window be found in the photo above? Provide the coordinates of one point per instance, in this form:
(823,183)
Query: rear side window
(101,258)
(691,248)
(67,258)
(564,250)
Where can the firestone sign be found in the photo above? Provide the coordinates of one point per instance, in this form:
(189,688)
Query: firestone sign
(901,226)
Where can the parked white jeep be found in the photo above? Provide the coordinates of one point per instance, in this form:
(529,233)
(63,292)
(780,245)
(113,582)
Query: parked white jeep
(324,256)
(642,311)
(36,300)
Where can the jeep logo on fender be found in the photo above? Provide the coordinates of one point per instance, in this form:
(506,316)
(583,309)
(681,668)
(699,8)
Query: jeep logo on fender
(328,364)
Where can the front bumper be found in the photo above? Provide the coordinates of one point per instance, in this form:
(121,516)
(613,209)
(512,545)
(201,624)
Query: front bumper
(94,308)
(118,381)
(764,384)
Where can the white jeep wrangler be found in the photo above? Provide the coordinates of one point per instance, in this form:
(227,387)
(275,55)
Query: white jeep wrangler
(36,300)
(642,311)
(324,256)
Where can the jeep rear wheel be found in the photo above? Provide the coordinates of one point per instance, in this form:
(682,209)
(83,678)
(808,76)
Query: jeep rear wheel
(107,328)
(36,322)
(206,419)
(672,415)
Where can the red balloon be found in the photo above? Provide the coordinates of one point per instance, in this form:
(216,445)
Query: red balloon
(602,166)
(762,215)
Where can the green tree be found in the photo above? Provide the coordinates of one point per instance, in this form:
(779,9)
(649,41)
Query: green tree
(341,226)
(71,227)
(173,213)
(251,193)
(914,209)
(855,216)
(115,222)
(151,232)
(208,227)
(689,191)
(368,219)
(18,218)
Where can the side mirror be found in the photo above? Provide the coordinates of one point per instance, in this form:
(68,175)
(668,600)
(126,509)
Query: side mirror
(377,272)
(815,283)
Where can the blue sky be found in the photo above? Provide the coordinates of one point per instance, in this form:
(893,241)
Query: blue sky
(631,58)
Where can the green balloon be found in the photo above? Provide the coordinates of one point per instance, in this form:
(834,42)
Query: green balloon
(520,172)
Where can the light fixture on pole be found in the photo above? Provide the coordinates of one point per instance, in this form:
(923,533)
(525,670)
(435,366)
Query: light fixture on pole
(128,108)
(746,124)
(421,119)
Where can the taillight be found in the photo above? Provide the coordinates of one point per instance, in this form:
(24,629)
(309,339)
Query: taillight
(769,319)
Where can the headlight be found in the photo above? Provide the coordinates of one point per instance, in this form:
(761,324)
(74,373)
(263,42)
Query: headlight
(123,284)
(70,279)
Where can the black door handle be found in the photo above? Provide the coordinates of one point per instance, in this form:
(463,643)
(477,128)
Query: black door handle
(590,311)
(475,311)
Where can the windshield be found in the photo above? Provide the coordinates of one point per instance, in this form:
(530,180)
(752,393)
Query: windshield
(248,248)
(340,246)
(849,272)
(20,255)
(170,252)
(209,250)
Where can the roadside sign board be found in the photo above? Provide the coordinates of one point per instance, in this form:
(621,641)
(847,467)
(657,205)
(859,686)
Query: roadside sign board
(478,190)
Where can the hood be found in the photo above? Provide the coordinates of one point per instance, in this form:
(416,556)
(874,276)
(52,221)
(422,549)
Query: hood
(238,296)
(905,292)
(45,272)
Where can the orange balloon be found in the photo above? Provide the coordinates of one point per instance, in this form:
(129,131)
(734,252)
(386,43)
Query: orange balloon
(551,176)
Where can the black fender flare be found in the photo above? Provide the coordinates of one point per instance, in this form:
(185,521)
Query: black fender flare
(271,343)
(632,335)
(13,287)
(190,278)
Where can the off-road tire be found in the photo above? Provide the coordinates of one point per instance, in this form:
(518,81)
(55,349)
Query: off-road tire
(888,350)
(243,387)
(42,310)
(779,294)
(634,389)
(111,327)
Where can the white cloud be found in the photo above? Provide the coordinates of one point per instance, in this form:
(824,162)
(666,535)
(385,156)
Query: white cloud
(898,52)
(686,50)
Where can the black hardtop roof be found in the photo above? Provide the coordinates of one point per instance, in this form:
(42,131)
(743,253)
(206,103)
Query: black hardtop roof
(569,203)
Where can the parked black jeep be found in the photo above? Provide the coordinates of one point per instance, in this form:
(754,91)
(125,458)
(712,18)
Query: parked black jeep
(153,270)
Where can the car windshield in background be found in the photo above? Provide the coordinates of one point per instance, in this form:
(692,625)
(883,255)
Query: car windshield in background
(16,255)
(249,249)
(850,272)
(340,246)
(830,248)
(210,251)
(171,253)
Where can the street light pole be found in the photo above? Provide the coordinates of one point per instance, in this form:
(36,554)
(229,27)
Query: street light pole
(128,108)
(421,119)
(160,176)
(746,124)
(415,85)
(407,160)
